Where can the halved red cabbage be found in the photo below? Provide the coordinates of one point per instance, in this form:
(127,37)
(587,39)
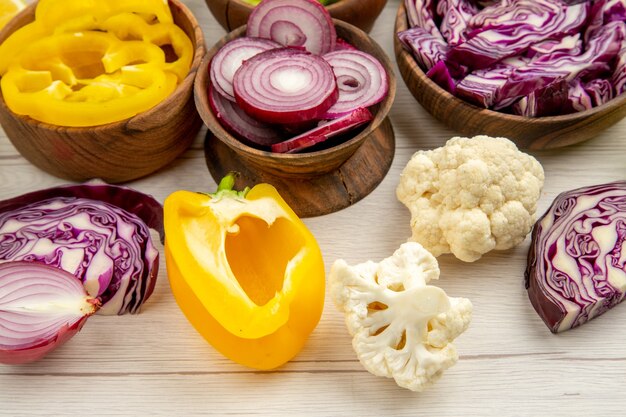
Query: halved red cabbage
(454,15)
(98,233)
(527,22)
(577,259)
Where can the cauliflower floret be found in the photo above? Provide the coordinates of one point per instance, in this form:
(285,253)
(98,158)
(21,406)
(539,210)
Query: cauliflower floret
(402,327)
(471,196)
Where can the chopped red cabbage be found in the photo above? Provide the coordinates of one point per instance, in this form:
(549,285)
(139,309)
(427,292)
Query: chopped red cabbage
(440,74)
(510,55)
(579,100)
(600,91)
(427,49)
(619,75)
(421,13)
(531,21)
(454,15)
(548,101)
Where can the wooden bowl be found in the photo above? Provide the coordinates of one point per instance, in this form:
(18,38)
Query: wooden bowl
(114,152)
(361,13)
(333,171)
(526,132)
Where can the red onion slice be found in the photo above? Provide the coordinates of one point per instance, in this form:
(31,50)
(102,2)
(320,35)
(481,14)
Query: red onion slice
(41,307)
(343,45)
(285,86)
(324,132)
(361,79)
(230,57)
(294,23)
(238,123)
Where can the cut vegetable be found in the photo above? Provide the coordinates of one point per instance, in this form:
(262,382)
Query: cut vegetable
(361,79)
(99,233)
(230,57)
(238,123)
(506,55)
(343,45)
(454,15)
(513,31)
(294,23)
(41,307)
(285,86)
(325,131)
(576,264)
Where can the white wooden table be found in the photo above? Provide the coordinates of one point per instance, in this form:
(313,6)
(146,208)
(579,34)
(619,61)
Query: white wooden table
(155,363)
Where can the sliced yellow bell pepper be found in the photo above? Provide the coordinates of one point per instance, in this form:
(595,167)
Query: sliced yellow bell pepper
(90,62)
(245,271)
(86,79)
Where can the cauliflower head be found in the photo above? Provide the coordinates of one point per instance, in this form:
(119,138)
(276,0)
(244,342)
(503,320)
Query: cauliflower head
(402,327)
(471,196)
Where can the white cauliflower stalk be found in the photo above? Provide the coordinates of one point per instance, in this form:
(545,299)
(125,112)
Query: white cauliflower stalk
(471,196)
(402,327)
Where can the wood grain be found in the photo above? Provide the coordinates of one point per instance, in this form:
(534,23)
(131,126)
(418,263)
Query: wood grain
(232,14)
(155,364)
(302,165)
(314,195)
(115,152)
(526,132)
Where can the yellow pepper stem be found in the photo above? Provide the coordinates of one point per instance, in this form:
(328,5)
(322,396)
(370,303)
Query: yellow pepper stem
(227,185)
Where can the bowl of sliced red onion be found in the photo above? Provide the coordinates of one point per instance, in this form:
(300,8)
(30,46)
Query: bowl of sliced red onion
(545,73)
(232,14)
(291,100)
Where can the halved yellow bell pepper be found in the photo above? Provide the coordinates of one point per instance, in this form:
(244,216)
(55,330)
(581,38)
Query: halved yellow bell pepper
(245,271)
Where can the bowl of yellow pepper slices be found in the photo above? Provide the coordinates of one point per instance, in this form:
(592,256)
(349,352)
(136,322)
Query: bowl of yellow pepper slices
(100,89)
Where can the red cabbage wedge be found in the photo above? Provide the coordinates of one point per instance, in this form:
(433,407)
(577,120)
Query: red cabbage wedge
(577,259)
(98,233)
(41,307)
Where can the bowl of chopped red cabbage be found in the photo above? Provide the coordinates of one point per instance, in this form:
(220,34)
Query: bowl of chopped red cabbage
(545,73)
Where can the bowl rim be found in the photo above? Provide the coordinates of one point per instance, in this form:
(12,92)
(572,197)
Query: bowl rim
(201,97)
(181,88)
(336,5)
(401,24)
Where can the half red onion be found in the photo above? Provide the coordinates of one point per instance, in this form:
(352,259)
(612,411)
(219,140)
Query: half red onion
(41,307)
(324,131)
(294,23)
(286,85)
(238,123)
(361,79)
(230,57)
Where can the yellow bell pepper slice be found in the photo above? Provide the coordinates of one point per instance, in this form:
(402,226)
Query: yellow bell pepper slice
(90,79)
(245,271)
